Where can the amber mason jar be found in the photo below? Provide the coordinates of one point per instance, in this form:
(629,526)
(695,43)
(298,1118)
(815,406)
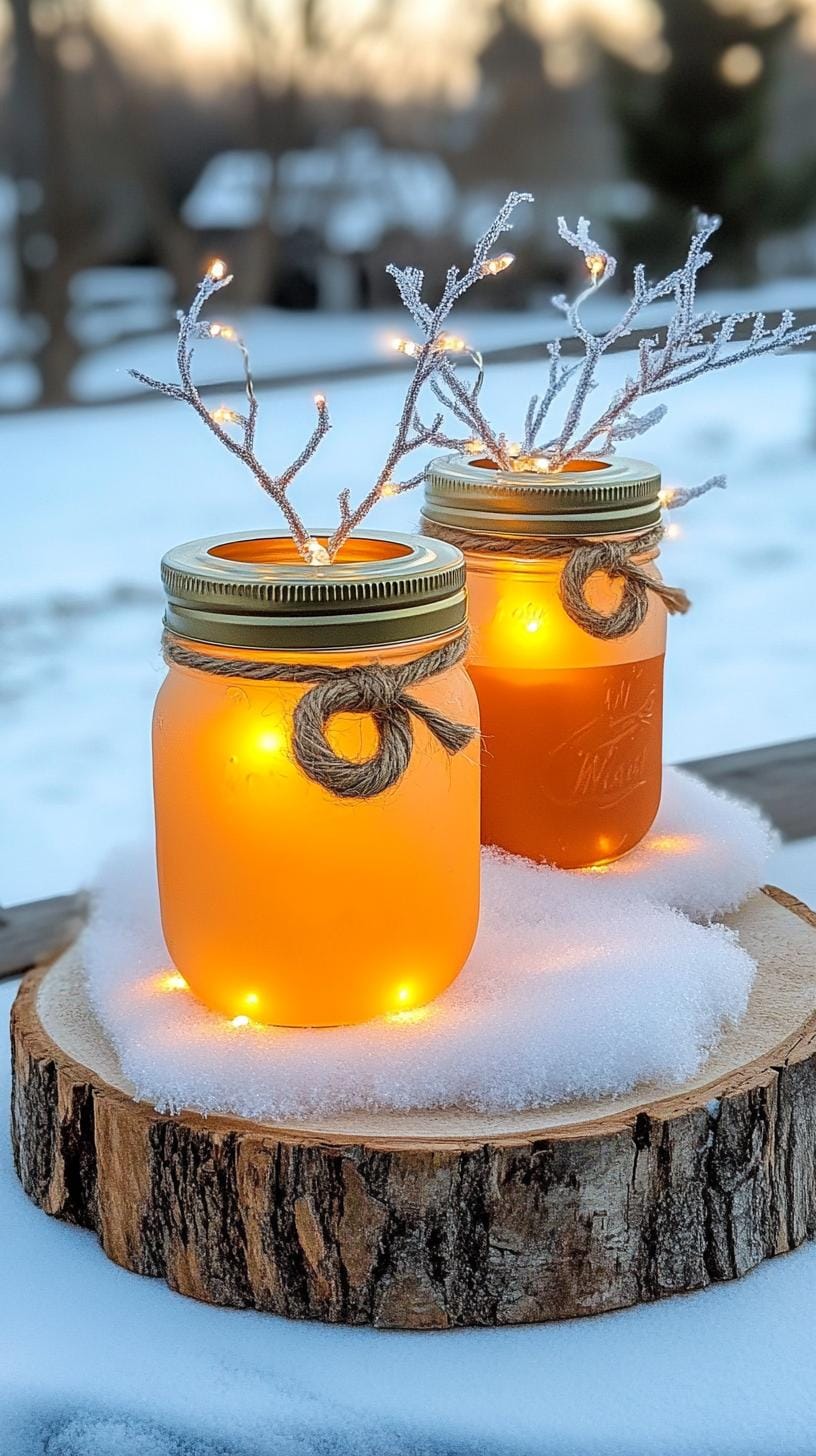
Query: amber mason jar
(281,901)
(571,723)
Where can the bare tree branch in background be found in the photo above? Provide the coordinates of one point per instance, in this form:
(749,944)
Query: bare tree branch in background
(39,140)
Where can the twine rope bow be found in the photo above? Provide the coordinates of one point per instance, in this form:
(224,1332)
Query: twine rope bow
(379,691)
(583,557)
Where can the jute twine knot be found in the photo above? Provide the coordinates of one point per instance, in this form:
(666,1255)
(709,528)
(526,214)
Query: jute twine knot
(583,556)
(375,690)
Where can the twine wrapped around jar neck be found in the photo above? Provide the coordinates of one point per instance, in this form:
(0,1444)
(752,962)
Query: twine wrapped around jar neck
(376,689)
(583,557)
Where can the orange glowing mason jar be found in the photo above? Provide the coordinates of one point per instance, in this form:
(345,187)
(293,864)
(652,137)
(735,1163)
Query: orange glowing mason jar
(571,722)
(281,900)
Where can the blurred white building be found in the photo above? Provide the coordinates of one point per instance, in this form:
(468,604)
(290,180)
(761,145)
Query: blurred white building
(345,198)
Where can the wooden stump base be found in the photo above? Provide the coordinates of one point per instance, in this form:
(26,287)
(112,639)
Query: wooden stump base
(432,1220)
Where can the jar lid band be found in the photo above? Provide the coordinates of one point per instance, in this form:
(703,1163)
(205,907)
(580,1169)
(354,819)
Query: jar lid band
(251,590)
(607,497)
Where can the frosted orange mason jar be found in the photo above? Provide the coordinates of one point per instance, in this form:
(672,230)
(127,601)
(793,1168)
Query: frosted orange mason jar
(281,900)
(571,722)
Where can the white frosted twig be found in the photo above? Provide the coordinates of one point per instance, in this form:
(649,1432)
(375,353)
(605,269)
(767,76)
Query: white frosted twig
(676,496)
(431,359)
(191,328)
(463,404)
(696,343)
(559,376)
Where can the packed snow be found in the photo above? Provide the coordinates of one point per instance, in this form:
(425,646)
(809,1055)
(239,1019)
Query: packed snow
(604,985)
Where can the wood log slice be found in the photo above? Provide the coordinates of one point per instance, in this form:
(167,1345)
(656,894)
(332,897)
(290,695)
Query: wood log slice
(439,1219)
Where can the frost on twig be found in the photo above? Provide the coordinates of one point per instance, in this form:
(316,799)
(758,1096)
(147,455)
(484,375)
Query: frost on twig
(191,329)
(676,496)
(696,342)
(433,364)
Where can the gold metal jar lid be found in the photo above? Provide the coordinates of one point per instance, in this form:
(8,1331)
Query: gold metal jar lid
(611,497)
(252,590)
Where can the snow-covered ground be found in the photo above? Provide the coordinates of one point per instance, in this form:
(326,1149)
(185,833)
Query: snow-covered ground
(94,496)
(284,343)
(110,302)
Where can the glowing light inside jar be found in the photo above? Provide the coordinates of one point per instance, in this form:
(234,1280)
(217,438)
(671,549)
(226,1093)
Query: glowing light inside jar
(571,723)
(272,740)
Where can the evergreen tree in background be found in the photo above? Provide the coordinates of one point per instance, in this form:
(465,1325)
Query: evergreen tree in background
(696,134)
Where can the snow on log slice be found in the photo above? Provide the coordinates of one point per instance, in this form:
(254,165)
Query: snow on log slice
(434,1220)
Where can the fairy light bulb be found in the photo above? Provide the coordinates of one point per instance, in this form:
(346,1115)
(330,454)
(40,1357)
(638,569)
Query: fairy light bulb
(271,741)
(389,488)
(596,265)
(217,269)
(451,344)
(223,415)
(492,266)
(406,346)
(316,554)
(537,464)
(222,331)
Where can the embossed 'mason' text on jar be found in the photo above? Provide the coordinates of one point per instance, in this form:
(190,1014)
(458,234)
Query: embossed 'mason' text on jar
(571,721)
(284,900)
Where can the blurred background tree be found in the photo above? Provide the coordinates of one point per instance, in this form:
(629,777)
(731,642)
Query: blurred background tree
(697,133)
(311,140)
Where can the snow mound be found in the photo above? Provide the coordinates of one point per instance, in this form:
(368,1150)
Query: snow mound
(704,853)
(579,984)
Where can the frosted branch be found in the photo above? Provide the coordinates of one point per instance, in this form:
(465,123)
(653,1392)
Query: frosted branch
(559,376)
(432,363)
(677,496)
(192,329)
(695,343)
